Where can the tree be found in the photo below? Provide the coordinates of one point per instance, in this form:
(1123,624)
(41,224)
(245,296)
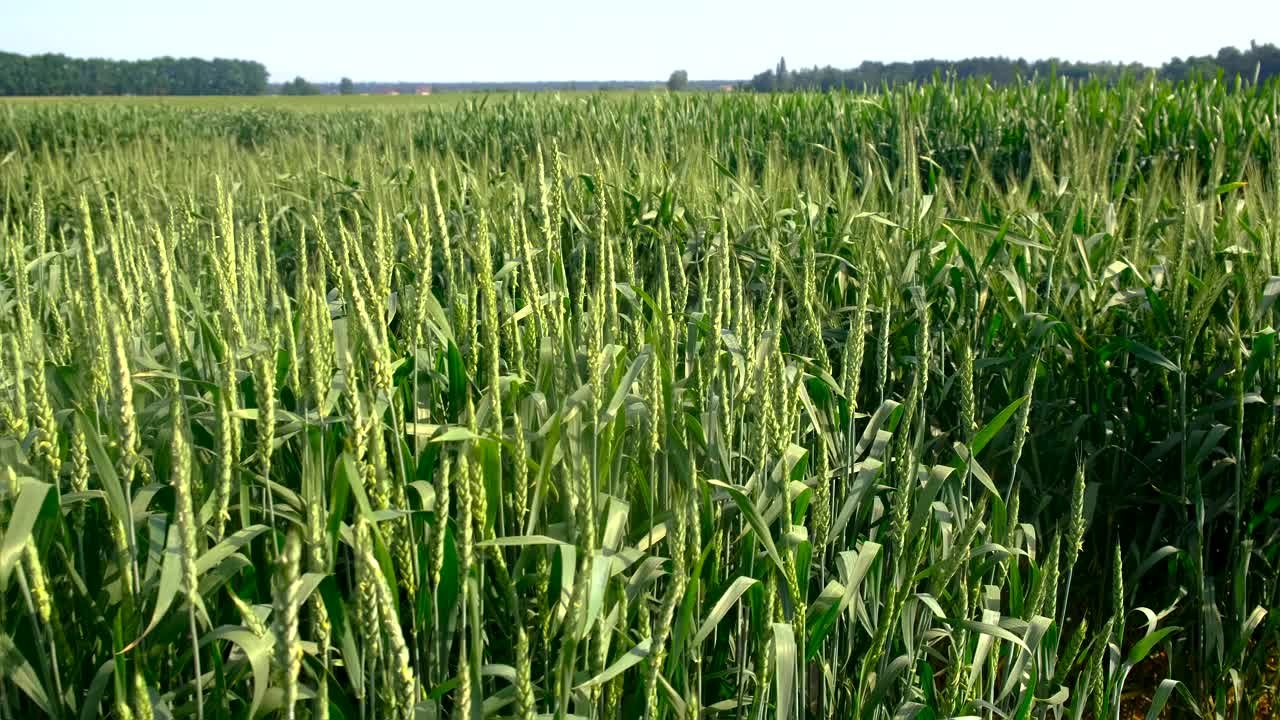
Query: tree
(53,74)
(679,80)
(299,86)
(346,87)
(1260,61)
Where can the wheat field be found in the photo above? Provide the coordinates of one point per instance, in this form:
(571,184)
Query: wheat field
(944,401)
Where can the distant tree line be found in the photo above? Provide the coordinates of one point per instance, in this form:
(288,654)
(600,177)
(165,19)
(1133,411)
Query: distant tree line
(299,86)
(1230,61)
(54,74)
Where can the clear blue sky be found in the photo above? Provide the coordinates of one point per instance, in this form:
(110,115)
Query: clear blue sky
(456,40)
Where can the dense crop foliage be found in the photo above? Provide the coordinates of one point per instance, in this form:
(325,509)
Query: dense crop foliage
(945,402)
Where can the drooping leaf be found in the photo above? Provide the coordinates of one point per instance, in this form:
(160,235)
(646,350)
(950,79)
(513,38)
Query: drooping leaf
(31,498)
(722,607)
(619,666)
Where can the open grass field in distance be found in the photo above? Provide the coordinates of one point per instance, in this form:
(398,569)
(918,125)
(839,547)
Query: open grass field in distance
(316,103)
(946,401)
